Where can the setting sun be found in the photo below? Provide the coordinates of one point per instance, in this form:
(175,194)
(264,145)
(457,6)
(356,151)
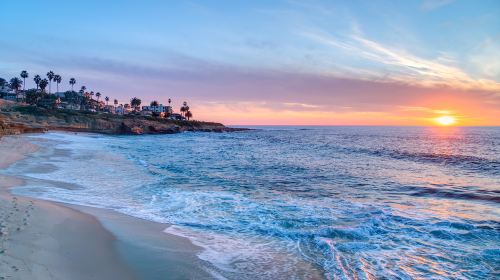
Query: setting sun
(445,120)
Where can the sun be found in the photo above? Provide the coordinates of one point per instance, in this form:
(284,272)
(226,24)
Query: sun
(445,120)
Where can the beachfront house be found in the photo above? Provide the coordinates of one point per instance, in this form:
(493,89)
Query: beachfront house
(120,110)
(127,109)
(110,109)
(10,96)
(158,109)
(177,117)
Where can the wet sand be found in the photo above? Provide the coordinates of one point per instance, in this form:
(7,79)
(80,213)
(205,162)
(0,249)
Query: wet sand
(47,240)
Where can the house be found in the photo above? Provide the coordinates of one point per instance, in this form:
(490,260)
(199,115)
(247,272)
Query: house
(12,96)
(60,94)
(110,109)
(158,109)
(177,117)
(5,89)
(68,106)
(127,109)
(120,110)
(123,109)
(146,113)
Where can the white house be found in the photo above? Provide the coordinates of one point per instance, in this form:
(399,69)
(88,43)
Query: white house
(119,110)
(158,109)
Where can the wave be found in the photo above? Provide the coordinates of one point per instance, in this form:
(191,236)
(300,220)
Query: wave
(467,162)
(476,194)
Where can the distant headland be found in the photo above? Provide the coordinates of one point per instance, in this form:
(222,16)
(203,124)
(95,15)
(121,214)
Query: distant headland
(36,110)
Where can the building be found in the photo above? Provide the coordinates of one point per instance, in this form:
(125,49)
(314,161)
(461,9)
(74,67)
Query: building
(5,88)
(110,109)
(127,109)
(146,113)
(12,96)
(167,110)
(177,117)
(68,106)
(120,110)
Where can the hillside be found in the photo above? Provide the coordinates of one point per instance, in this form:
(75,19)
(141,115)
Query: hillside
(16,119)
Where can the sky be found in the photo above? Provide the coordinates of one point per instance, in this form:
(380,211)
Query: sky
(285,62)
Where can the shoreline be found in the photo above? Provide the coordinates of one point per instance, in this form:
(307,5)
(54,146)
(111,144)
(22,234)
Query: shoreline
(18,118)
(50,240)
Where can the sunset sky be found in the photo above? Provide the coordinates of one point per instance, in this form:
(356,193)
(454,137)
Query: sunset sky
(270,62)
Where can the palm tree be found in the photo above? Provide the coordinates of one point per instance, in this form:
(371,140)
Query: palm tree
(107,100)
(82,90)
(154,103)
(169,101)
(24,75)
(189,115)
(72,82)
(57,79)
(98,95)
(37,80)
(50,75)
(43,84)
(183,108)
(115,102)
(15,84)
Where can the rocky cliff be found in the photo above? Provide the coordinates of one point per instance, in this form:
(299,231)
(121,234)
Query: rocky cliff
(15,119)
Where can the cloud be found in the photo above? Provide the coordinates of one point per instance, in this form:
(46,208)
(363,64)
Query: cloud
(407,68)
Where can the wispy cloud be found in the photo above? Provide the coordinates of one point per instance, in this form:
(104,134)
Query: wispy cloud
(406,67)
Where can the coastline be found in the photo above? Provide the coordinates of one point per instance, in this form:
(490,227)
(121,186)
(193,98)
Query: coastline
(18,119)
(49,240)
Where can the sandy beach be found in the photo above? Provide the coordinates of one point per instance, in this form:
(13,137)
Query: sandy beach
(46,240)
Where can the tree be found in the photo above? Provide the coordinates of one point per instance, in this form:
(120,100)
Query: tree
(72,82)
(3,83)
(82,90)
(115,102)
(98,95)
(15,84)
(107,100)
(91,94)
(71,97)
(189,115)
(50,76)
(37,80)
(24,75)
(135,102)
(154,103)
(184,108)
(43,84)
(169,101)
(32,96)
(57,79)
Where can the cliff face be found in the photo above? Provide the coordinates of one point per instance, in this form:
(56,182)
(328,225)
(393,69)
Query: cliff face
(16,119)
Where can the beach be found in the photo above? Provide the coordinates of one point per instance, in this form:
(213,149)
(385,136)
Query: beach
(268,203)
(48,240)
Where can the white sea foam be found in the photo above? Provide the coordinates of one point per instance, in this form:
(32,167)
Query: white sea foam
(292,203)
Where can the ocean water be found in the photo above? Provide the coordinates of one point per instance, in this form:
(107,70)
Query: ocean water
(297,202)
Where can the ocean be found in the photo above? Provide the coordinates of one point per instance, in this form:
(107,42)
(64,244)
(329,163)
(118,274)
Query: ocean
(294,202)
